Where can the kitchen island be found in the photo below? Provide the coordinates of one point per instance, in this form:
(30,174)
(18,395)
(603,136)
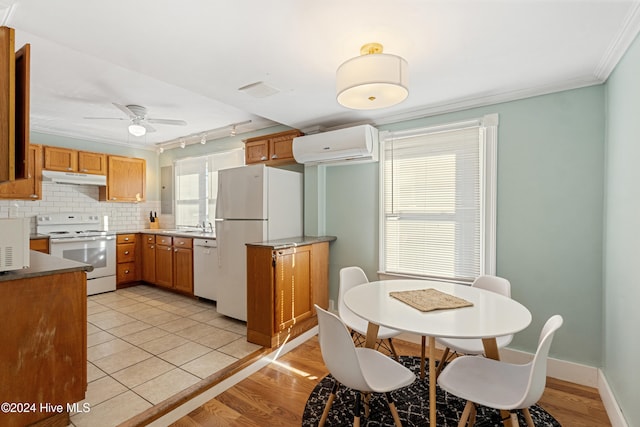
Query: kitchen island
(43,358)
(285,278)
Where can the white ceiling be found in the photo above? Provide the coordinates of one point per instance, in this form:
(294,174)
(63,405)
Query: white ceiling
(186,60)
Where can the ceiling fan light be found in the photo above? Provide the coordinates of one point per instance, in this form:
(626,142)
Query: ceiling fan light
(137,129)
(372,80)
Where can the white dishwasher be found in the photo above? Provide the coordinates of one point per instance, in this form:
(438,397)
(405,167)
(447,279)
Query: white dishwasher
(206,268)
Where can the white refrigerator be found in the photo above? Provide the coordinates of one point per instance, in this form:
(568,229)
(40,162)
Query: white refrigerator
(254,204)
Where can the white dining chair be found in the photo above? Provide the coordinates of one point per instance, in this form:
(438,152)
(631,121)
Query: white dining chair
(500,385)
(363,369)
(349,278)
(495,284)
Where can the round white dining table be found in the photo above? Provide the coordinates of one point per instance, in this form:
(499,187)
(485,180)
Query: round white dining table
(490,316)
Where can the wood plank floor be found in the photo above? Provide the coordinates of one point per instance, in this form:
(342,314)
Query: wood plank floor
(276,395)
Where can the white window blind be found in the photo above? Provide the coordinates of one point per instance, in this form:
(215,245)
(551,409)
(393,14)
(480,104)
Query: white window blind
(196,183)
(433,202)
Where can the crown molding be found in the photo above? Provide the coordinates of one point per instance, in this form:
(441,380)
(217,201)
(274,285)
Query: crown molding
(619,45)
(489,99)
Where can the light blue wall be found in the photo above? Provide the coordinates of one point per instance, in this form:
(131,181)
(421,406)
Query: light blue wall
(622,231)
(152,179)
(550,215)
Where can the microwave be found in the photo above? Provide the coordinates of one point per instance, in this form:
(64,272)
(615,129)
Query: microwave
(14,245)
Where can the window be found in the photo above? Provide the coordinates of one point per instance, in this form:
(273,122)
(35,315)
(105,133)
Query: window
(438,201)
(196,183)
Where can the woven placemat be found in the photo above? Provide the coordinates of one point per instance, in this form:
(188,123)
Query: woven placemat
(430,299)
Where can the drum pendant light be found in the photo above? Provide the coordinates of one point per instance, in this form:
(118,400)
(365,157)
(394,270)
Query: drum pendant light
(372,80)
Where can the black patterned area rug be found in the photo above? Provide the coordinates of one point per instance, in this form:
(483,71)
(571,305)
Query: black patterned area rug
(412,403)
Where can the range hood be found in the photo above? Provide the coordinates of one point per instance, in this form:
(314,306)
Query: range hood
(74,178)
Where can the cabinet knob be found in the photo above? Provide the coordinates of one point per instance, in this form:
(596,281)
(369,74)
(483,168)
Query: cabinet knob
(168,249)
(34,196)
(126,239)
(126,272)
(152,246)
(182,243)
(126,252)
(84,170)
(175,250)
(113,198)
(263,158)
(69,169)
(275,156)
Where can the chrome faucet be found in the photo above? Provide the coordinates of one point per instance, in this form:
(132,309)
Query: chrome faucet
(204,226)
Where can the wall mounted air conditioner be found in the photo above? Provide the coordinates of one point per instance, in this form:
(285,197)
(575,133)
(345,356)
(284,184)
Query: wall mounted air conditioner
(354,144)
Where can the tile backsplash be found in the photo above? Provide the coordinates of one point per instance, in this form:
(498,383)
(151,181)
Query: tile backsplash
(84,198)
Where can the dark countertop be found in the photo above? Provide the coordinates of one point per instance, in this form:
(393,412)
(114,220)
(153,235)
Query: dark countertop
(173,233)
(44,265)
(291,242)
(38,236)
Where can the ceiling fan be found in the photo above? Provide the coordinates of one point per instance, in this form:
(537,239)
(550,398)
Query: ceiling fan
(140,123)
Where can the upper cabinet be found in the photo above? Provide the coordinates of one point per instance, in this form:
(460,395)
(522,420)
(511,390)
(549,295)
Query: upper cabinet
(69,160)
(29,188)
(273,149)
(14,107)
(126,180)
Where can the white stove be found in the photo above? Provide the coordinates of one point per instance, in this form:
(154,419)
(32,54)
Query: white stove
(80,237)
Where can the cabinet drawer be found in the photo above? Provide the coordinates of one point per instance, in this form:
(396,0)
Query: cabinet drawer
(182,242)
(126,252)
(126,238)
(149,238)
(164,240)
(126,272)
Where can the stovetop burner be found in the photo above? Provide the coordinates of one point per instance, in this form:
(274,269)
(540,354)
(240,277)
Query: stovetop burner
(70,225)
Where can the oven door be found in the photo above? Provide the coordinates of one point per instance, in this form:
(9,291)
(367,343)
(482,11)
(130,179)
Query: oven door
(100,252)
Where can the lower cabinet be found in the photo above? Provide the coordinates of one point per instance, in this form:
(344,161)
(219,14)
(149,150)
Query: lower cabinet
(148,262)
(282,287)
(183,264)
(164,262)
(168,262)
(127,271)
(40,245)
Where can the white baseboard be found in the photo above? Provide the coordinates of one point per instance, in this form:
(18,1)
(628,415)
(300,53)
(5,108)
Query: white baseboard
(610,403)
(567,371)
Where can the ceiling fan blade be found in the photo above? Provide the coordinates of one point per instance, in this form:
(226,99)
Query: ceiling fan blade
(168,122)
(148,127)
(125,110)
(104,118)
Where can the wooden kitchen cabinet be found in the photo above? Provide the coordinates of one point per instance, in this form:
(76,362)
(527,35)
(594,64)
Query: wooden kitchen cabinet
(70,160)
(183,264)
(126,180)
(60,159)
(148,263)
(29,188)
(14,107)
(282,287)
(164,262)
(273,149)
(92,163)
(44,342)
(127,271)
(40,245)
(168,262)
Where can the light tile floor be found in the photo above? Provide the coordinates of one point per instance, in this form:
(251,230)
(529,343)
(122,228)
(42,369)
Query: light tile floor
(146,344)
